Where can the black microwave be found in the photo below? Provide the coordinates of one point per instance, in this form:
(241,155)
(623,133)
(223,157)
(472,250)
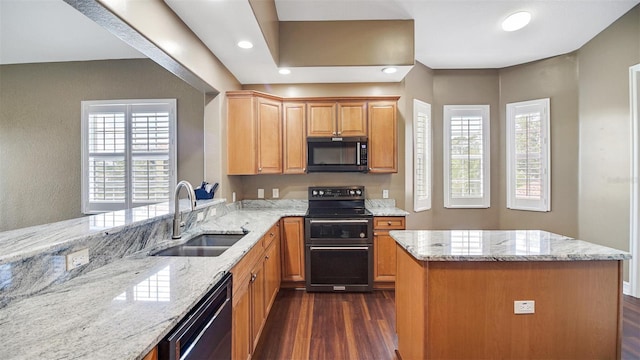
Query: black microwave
(337,154)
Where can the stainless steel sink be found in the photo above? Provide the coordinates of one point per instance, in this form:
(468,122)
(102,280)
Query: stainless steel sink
(214,240)
(203,245)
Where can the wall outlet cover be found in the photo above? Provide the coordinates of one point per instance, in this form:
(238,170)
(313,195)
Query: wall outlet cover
(77,259)
(385,194)
(260,193)
(275,193)
(524,307)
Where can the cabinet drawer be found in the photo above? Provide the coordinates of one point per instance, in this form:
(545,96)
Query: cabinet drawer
(271,235)
(388,222)
(244,266)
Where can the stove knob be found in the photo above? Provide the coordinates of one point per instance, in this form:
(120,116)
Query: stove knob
(321,192)
(358,192)
(352,192)
(314,193)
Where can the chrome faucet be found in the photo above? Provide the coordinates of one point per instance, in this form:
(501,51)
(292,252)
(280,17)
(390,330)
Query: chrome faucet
(177,217)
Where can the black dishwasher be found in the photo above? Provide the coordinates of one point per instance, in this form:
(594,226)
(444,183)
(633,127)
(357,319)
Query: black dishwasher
(206,332)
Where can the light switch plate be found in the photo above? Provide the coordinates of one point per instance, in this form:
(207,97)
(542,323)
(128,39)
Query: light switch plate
(385,194)
(275,193)
(260,193)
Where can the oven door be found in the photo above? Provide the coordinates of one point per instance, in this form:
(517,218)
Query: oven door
(319,231)
(339,268)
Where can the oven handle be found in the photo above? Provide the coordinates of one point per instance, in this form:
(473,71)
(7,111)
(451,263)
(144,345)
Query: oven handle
(339,248)
(338,221)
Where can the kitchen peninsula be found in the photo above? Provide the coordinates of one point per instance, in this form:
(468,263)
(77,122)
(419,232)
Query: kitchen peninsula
(456,292)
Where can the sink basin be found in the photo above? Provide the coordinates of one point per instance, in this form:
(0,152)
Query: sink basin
(203,245)
(214,240)
(183,250)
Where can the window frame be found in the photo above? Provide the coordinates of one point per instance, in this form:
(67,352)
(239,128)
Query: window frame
(544,203)
(92,207)
(484,201)
(422,203)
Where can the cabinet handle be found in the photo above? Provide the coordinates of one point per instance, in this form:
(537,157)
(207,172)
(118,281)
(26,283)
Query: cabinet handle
(266,257)
(271,234)
(259,169)
(375,234)
(389,223)
(253,277)
(339,132)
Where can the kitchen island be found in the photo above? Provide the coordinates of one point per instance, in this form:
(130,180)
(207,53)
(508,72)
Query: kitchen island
(456,292)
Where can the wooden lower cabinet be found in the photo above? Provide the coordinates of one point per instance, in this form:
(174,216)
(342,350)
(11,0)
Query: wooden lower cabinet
(152,355)
(292,251)
(256,284)
(384,250)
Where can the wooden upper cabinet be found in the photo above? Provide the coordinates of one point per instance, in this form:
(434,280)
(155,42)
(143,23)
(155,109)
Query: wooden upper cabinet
(341,118)
(352,118)
(294,138)
(269,136)
(383,137)
(322,119)
(254,134)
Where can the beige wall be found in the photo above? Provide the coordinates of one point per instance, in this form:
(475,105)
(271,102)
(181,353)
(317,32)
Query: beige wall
(604,134)
(40,141)
(555,78)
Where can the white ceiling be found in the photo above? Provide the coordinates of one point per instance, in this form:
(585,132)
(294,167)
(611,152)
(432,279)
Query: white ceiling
(451,34)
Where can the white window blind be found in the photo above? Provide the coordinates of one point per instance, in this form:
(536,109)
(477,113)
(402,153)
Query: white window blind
(128,153)
(421,156)
(528,156)
(466,156)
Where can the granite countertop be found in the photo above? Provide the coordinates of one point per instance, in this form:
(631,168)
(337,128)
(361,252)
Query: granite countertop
(123,309)
(500,245)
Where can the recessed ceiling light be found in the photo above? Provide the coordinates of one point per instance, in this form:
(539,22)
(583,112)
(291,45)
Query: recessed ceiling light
(516,21)
(245,44)
(284,71)
(389,70)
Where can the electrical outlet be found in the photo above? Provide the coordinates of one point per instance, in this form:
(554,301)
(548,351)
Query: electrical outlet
(385,194)
(233,196)
(260,193)
(275,193)
(76,259)
(524,307)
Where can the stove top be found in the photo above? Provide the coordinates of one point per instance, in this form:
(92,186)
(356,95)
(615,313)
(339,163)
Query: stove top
(337,202)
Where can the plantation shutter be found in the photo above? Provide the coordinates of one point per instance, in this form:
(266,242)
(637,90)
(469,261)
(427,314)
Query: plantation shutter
(421,156)
(128,153)
(466,156)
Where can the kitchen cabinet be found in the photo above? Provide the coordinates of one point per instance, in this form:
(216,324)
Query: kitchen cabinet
(255,286)
(337,118)
(152,355)
(294,137)
(293,250)
(254,133)
(383,137)
(384,250)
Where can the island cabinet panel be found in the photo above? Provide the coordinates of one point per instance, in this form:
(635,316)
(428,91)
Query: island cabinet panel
(292,251)
(352,118)
(294,152)
(254,133)
(322,119)
(383,137)
(465,309)
(384,250)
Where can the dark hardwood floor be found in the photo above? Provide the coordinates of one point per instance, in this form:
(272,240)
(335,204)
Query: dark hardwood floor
(361,326)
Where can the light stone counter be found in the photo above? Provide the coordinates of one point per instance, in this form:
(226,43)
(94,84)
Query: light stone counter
(124,308)
(500,245)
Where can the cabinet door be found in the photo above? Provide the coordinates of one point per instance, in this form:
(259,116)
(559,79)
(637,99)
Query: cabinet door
(293,249)
(384,250)
(256,292)
(272,273)
(295,138)
(322,119)
(352,118)
(383,137)
(241,331)
(269,137)
(241,135)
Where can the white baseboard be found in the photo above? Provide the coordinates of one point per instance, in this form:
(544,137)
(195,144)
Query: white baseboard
(626,288)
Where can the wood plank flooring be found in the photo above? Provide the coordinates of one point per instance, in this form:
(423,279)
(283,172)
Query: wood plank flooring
(361,326)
